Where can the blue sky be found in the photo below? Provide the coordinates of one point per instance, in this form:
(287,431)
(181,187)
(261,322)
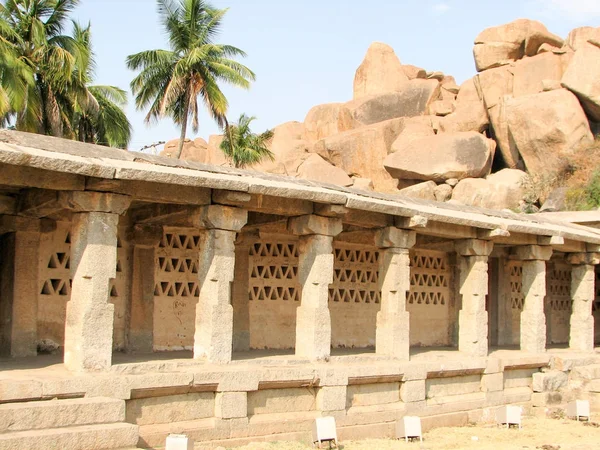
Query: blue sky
(305,53)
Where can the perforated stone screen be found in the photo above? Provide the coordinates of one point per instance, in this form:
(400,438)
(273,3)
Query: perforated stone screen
(429,298)
(558,302)
(176,289)
(55,285)
(354,295)
(273,293)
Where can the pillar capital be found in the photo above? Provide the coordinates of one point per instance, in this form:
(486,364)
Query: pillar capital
(313,224)
(392,237)
(474,247)
(531,253)
(11,224)
(220,217)
(578,259)
(89,201)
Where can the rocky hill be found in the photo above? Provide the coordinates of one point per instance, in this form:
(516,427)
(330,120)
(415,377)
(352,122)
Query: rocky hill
(534,102)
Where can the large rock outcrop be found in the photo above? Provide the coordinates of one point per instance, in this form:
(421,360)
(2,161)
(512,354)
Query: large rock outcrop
(289,148)
(413,99)
(470,113)
(546,127)
(501,190)
(195,150)
(326,120)
(379,73)
(361,152)
(316,168)
(582,77)
(443,156)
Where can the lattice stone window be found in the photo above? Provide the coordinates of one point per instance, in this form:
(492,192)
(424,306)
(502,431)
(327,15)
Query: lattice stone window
(56,266)
(429,278)
(559,288)
(273,271)
(355,274)
(177,259)
(516,284)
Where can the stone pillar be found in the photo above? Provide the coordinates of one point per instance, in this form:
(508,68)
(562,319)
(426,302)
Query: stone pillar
(315,274)
(473,318)
(583,294)
(19,289)
(533,319)
(213,336)
(240,296)
(145,240)
(393,325)
(90,316)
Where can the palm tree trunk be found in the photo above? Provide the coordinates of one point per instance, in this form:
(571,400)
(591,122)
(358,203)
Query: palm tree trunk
(186,109)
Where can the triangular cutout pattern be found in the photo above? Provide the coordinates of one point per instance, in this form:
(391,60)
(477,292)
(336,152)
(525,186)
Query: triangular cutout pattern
(273,271)
(429,278)
(355,274)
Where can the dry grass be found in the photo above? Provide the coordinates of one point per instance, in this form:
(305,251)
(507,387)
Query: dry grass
(544,434)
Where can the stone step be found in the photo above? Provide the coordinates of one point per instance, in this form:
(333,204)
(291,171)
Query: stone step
(88,437)
(60,413)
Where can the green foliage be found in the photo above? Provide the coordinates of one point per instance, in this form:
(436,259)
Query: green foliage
(244,148)
(169,82)
(586,197)
(46,76)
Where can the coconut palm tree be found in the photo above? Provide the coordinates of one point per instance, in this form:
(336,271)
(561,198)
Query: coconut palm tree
(170,81)
(15,76)
(244,148)
(51,56)
(99,119)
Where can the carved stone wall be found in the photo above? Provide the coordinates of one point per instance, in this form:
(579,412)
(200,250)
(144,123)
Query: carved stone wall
(429,298)
(515,300)
(176,289)
(274,292)
(558,304)
(354,295)
(55,286)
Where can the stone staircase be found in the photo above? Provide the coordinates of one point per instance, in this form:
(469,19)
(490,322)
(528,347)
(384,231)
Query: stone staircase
(71,424)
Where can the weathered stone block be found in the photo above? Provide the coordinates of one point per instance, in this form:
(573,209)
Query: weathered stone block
(412,391)
(474,247)
(231,405)
(312,224)
(549,381)
(331,398)
(546,398)
(395,237)
(492,382)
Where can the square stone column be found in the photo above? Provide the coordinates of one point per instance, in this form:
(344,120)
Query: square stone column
(393,325)
(19,289)
(315,274)
(90,316)
(213,336)
(533,319)
(473,318)
(583,294)
(240,298)
(146,239)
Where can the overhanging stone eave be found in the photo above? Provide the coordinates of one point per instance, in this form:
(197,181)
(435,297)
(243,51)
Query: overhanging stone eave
(128,167)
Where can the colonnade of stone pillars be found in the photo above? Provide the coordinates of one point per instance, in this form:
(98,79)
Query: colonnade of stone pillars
(473,318)
(89,321)
(533,319)
(583,294)
(315,274)
(393,326)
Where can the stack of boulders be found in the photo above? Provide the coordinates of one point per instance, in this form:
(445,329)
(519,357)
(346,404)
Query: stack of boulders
(414,132)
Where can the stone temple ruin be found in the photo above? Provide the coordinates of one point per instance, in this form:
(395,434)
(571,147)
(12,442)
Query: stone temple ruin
(233,305)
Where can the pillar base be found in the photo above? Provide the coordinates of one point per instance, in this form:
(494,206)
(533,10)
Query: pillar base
(473,333)
(582,334)
(393,336)
(313,333)
(214,330)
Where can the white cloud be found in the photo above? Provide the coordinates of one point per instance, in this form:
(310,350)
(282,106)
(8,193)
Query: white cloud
(440,8)
(578,10)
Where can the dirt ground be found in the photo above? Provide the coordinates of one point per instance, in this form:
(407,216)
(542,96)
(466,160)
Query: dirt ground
(544,434)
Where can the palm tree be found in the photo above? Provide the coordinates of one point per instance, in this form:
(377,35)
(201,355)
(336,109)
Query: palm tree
(15,76)
(170,81)
(57,98)
(244,148)
(99,118)
(51,57)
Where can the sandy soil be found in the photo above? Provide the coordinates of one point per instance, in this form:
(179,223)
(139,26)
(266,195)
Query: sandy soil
(544,434)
